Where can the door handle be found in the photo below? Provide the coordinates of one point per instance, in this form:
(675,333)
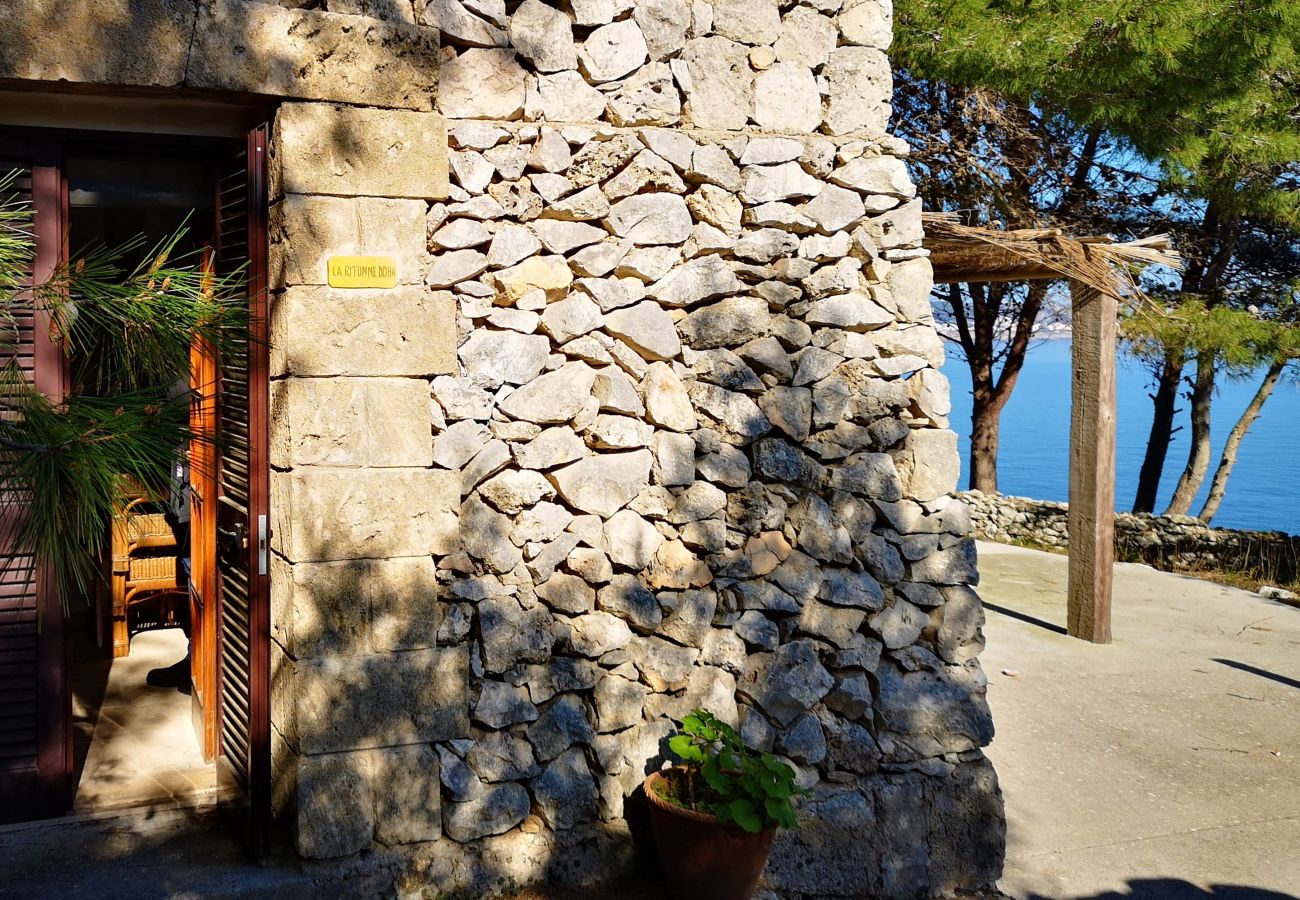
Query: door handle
(263,532)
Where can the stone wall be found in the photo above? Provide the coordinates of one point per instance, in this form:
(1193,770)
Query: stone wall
(691,450)
(1172,543)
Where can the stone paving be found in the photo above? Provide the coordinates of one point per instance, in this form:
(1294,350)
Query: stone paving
(1166,765)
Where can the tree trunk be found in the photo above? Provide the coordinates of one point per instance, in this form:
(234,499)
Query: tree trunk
(1219,485)
(985,425)
(1198,453)
(1165,402)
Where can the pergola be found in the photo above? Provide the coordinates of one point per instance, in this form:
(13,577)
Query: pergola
(1100,276)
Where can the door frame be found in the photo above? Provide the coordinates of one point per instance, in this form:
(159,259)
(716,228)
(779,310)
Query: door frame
(51,791)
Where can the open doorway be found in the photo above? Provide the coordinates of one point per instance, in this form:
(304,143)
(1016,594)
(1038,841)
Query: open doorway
(135,740)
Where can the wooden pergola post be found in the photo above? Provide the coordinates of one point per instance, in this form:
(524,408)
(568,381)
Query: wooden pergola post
(1092,462)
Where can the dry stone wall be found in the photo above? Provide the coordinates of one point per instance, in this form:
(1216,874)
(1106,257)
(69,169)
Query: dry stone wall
(1174,543)
(653,421)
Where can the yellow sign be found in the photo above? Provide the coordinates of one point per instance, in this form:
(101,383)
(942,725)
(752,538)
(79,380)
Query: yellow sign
(362,271)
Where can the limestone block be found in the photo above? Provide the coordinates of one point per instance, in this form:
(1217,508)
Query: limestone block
(612,51)
(722,84)
(407,795)
(307,230)
(786,99)
(869,23)
(335,805)
(264,48)
(748,21)
(543,36)
(138,42)
(325,608)
(319,148)
(381,700)
(453,19)
(323,331)
(405,602)
(860,83)
(483,84)
(328,514)
(929,465)
(379,422)
(806,39)
(664,23)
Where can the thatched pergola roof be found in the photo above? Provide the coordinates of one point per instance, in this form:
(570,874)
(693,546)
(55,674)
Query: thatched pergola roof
(961,253)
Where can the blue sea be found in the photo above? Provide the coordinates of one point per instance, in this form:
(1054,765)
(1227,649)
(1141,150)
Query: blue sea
(1263,492)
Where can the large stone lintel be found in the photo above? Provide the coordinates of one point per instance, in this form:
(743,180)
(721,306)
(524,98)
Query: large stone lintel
(225,45)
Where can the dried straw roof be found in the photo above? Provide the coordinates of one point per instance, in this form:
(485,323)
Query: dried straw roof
(961,253)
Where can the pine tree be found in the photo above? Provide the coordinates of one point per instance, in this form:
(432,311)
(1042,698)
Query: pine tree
(128,331)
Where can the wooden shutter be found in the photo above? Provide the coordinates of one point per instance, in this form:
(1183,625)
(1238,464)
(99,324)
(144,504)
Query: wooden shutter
(35,734)
(243,488)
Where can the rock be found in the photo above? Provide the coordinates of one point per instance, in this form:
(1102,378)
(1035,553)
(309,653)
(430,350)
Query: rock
(554,397)
(860,83)
(869,24)
(455,266)
(850,747)
(834,209)
(664,666)
(501,704)
(929,713)
(494,358)
(499,809)
(953,565)
(483,84)
(511,635)
(648,263)
(726,370)
(787,682)
(563,97)
(560,236)
(664,24)
(647,98)
(875,175)
(612,293)
(700,501)
(458,444)
(560,726)
(674,458)
(484,535)
(459,779)
(747,21)
(695,281)
(567,593)
(648,219)
(806,38)
(597,161)
(929,466)
(722,86)
(847,588)
(460,234)
(512,244)
(789,409)
(560,675)
(899,624)
(543,36)
(612,51)
(730,322)
(804,741)
(590,565)
(724,465)
(835,624)
(603,484)
(618,433)
(628,599)
(630,540)
(616,392)
(587,205)
(454,20)
(513,491)
(550,274)
(716,206)
(552,447)
(852,312)
(761,184)
(739,417)
(571,317)
(667,402)
(786,98)
(619,703)
(597,633)
(646,172)
(566,793)
(647,328)
(690,620)
(676,567)
(712,163)
(758,630)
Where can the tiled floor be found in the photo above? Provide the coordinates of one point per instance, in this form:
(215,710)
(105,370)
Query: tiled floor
(134,744)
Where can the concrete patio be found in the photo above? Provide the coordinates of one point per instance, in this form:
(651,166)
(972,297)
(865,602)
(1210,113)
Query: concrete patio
(1165,765)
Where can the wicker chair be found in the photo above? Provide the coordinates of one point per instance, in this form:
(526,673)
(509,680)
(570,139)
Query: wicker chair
(144,568)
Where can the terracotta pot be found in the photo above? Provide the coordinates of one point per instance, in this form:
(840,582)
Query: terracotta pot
(702,859)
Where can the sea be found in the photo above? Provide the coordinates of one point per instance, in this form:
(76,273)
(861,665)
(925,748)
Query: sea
(1033,460)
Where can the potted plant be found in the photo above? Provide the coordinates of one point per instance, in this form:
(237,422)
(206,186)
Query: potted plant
(715,813)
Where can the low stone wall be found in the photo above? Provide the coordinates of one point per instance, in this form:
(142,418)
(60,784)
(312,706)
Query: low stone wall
(1172,543)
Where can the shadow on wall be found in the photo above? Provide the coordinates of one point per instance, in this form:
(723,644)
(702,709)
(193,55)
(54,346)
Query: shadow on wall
(1177,889)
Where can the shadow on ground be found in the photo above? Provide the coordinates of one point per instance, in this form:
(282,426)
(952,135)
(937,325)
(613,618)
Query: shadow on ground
(1177,889)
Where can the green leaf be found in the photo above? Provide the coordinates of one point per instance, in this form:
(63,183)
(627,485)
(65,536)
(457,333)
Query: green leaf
(684,747)
(744,812)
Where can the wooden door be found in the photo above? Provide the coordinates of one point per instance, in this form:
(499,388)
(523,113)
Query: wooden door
(242,519)
(203,538)
(35,717)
